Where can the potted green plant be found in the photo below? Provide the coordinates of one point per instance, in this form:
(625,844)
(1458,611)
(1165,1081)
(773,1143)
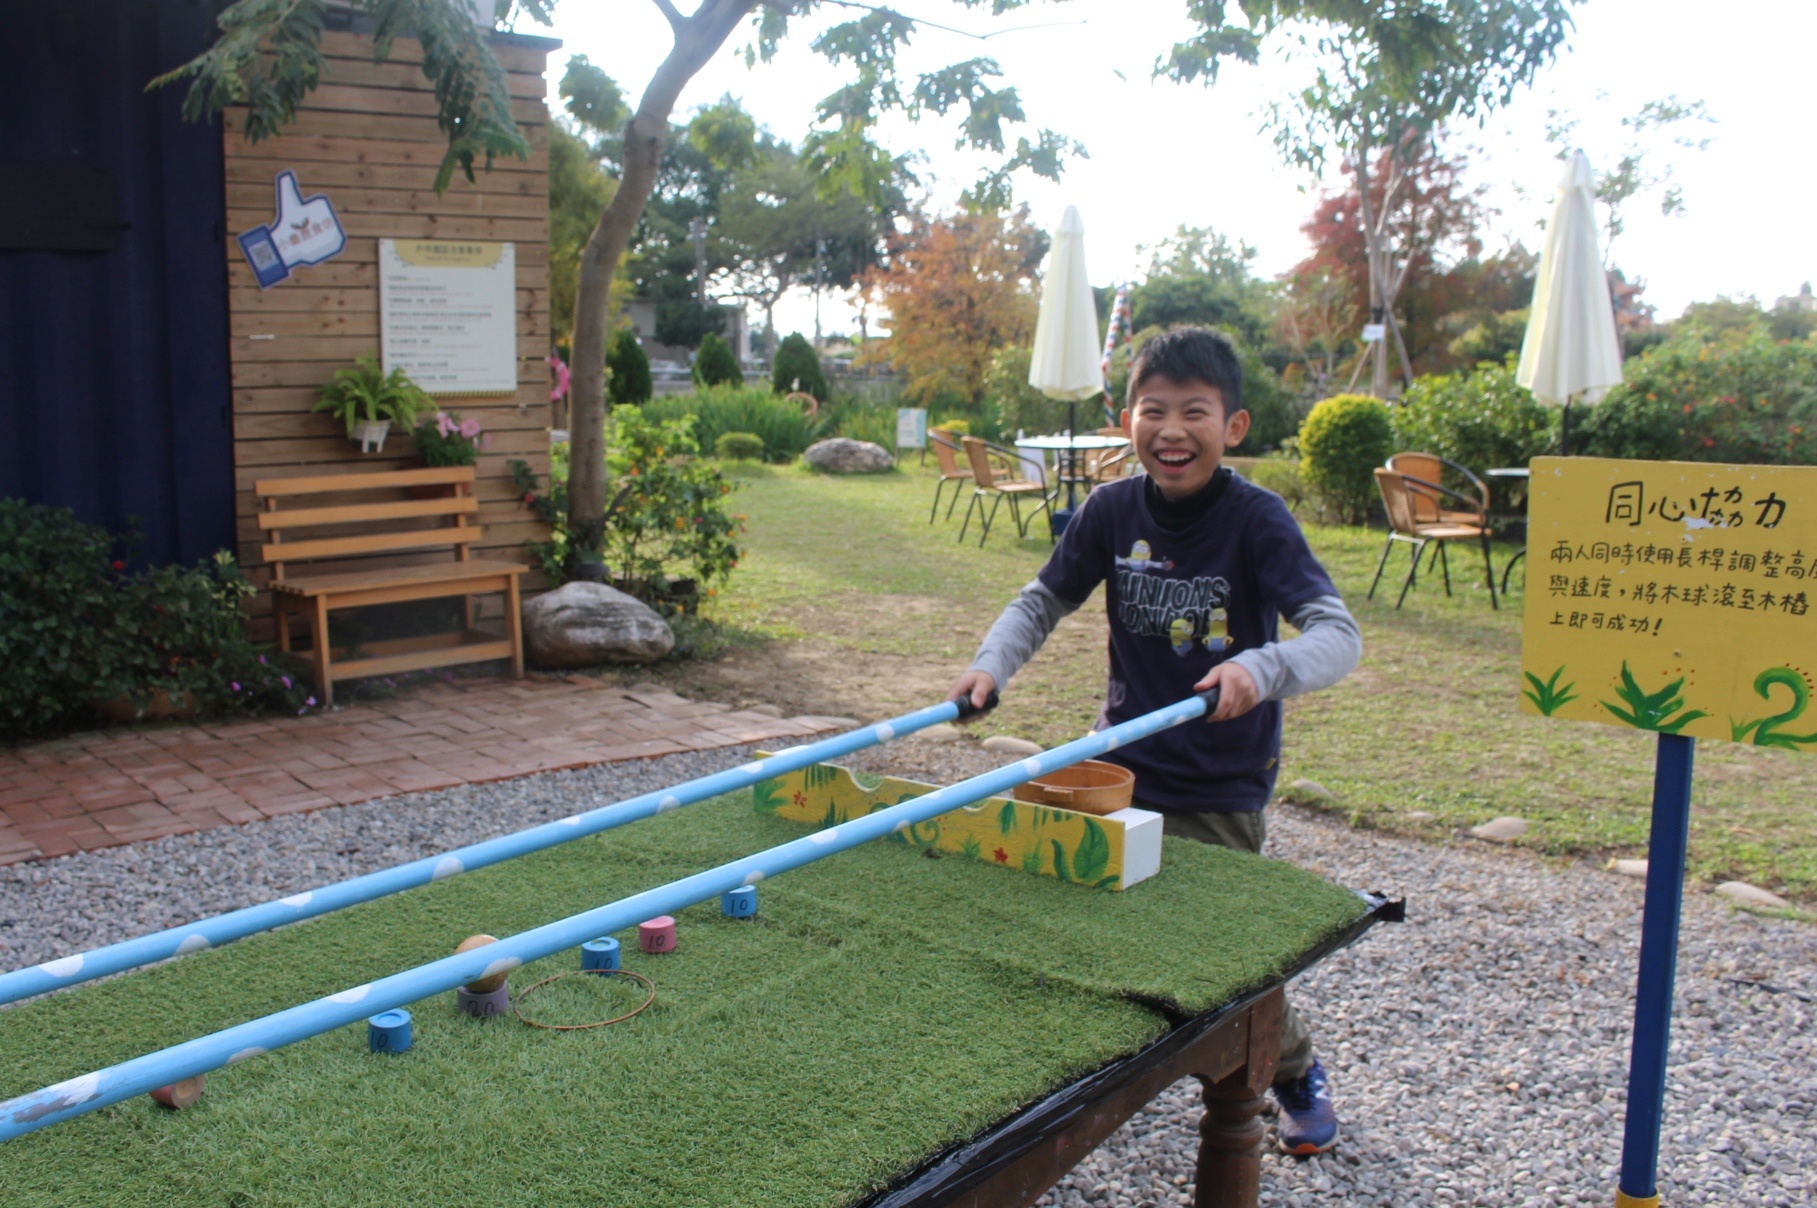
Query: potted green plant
(367,400)
(445,440)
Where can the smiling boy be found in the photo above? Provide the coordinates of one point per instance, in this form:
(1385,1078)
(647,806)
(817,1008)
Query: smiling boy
(1199,566)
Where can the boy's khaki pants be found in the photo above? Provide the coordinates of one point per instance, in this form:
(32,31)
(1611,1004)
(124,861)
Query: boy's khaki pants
(1244,832)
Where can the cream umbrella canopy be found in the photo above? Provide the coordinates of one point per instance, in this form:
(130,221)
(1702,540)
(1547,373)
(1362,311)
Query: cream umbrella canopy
(1065,361)
(1571,347)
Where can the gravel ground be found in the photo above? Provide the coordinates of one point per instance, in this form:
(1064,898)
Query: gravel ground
(1477,1052)
(52,908)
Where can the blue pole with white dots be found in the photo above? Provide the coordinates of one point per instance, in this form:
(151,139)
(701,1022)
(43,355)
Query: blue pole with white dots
(237,924)
(87,1092)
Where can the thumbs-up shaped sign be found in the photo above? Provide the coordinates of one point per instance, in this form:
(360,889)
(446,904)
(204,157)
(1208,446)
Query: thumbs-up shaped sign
(306,231)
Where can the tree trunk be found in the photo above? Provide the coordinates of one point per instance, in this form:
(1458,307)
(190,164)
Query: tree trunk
(697,39)
(1378,361)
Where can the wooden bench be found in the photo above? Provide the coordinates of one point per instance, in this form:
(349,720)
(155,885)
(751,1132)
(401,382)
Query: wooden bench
(367,528)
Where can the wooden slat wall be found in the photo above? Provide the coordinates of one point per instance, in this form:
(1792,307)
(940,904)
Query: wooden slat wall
(367,137)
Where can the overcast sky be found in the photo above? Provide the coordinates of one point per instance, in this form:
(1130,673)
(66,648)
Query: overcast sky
(1163,155)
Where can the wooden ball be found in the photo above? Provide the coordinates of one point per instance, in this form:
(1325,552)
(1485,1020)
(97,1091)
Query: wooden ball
(179,1095)
(484,985)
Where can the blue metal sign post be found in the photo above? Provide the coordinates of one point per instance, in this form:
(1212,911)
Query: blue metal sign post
(1639,1185)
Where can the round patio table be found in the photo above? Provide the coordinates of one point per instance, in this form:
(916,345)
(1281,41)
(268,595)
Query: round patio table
(1511,474)
(1035,448)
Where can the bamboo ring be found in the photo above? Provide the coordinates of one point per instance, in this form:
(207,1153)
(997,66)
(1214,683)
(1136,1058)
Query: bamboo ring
(517,1004)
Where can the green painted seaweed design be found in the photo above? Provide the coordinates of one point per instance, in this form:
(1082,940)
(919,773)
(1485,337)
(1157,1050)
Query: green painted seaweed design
(1547,696)
(1765,730)
(766,796)
(1652,711)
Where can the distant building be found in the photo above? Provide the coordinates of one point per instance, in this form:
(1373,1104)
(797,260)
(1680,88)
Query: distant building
(1802,300)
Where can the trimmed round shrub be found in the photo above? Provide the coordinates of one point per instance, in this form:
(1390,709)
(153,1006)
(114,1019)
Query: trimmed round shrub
(714,364)
(1480,420)
(796,361)
(629,380)
(738,446)
(1341,443)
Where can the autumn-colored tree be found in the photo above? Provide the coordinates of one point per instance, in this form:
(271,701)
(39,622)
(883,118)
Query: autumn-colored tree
(957,288)
(1443,284)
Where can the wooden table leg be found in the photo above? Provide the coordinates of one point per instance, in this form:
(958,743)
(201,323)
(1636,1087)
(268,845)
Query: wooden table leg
(1231,1131)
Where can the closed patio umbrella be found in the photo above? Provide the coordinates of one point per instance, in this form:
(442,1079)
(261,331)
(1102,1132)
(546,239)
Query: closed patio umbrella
(1065,364)
(1571,347)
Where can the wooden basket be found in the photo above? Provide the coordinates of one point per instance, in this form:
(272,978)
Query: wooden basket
(1091,787)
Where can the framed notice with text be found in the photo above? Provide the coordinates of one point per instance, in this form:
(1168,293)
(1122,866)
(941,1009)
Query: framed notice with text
(1673,596)
(448,314)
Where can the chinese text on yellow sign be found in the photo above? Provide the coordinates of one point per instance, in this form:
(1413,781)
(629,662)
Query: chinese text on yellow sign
(1673,596)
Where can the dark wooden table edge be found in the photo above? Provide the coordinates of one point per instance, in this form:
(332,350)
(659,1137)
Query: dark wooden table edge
(1233,1048)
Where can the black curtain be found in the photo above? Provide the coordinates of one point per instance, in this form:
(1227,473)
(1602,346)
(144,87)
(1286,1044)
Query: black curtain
(115,388)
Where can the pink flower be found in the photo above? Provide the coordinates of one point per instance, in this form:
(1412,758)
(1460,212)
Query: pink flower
(443,424)
(469,428)
(286,680)
(235,687)
(563,378)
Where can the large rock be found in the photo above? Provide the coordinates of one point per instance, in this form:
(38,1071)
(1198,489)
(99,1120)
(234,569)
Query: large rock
(582,624)
(842,455)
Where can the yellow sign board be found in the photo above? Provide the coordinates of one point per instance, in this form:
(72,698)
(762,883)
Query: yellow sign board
(1673,596)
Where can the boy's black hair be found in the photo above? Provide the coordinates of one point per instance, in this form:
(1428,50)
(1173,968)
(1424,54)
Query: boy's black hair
(1188,354)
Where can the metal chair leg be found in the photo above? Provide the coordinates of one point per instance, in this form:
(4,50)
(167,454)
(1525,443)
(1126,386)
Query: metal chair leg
(939,484)
(996,502)
(1412,572)
(952,502)
(1444,561)
(1489,574)
(966,523)
(1380,567)
(1509,568)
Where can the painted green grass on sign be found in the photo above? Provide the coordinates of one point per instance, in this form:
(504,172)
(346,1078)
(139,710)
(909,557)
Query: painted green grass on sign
(881,1005)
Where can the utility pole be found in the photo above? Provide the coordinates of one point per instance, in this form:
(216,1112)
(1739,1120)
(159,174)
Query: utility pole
(819,279)
(697,230)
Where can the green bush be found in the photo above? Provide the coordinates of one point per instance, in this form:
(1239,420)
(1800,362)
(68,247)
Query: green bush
(783,426)
(956,427)
(77,629)
(1282,475)
(628,369)
(1022,408)
(1342,442)
(796,361)
(1737,396)
(861,421)
(738,446)
(1479,420)
(714,364)
(666,518)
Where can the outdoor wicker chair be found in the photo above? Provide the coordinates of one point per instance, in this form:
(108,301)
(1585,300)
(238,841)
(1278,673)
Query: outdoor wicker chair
(1400,493)
(999,483)
(946,454)
(1430,467)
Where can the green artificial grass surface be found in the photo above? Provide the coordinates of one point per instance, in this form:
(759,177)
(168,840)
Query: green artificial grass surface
(881,1006)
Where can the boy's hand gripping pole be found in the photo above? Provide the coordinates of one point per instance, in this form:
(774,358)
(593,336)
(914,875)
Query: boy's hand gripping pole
(206,933)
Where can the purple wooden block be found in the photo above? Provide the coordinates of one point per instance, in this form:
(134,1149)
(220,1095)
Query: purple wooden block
(483,1006)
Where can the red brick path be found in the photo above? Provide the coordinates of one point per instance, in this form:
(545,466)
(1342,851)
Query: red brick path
(111,787)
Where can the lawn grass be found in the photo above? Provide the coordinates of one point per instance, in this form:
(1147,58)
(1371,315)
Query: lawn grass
(857,589)
(879,1007)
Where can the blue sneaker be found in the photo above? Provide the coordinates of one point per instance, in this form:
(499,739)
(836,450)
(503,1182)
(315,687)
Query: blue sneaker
(1308,1125)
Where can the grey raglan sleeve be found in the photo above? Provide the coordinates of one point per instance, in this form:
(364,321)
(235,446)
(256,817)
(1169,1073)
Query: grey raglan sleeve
(1326,651)
(1020,631)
